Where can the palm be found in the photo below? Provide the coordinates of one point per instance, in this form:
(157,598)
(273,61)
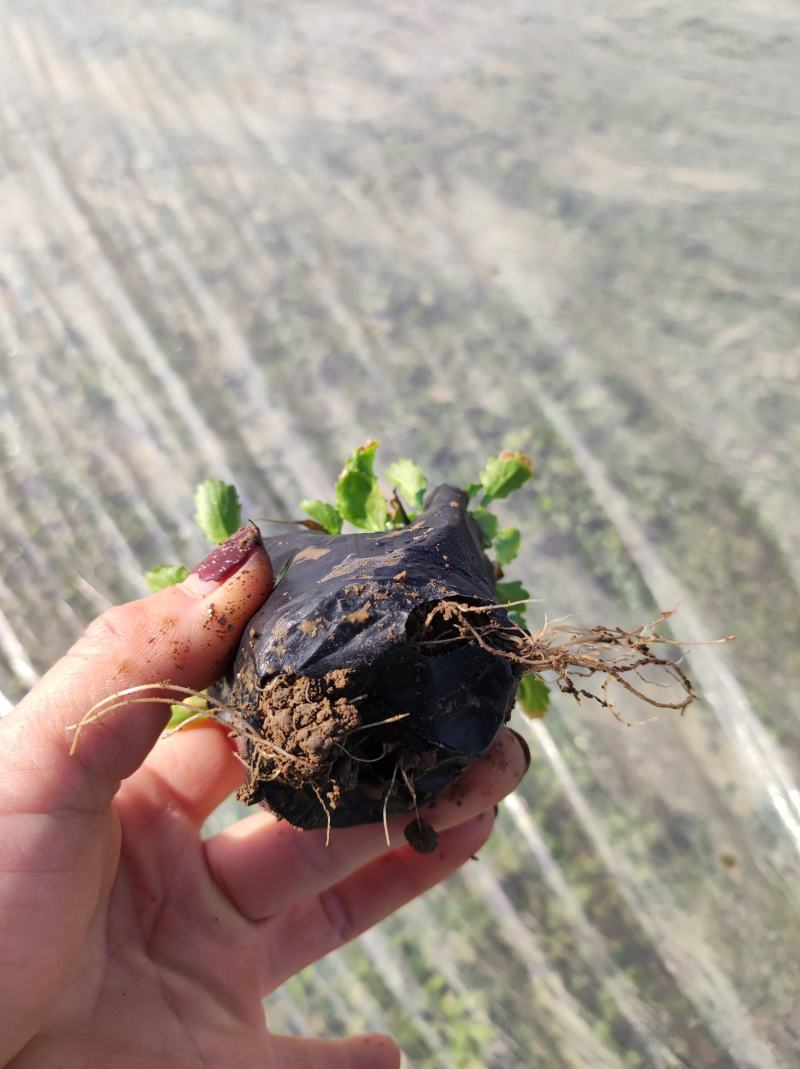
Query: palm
(159,947)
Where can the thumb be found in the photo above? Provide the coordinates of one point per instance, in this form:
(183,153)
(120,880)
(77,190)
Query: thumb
(184,635)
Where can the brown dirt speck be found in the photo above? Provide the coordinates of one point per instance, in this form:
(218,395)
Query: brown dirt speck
(359,616)
(311,553)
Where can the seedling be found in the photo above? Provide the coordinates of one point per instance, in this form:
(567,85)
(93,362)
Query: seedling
(387,658)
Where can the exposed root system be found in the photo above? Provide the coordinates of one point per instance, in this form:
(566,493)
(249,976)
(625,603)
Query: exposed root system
(570,654)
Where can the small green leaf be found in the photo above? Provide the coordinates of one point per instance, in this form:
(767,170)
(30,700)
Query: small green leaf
(488,524)
(197,704)
(361,502)
(533,695)
(358,496)
(510,591)
(164,575)
(362,458)
(505,473)
(325,514)
(410,480)
(506,545)
(473,489)
(219,513)
(513,591)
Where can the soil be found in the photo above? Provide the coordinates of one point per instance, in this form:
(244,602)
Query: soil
(421,836)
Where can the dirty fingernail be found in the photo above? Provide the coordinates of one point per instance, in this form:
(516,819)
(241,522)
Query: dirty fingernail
(228,556)
(526,750)
(496,808)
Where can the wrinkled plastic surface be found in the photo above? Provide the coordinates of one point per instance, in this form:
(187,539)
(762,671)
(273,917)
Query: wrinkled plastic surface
(240,238)
(344,604)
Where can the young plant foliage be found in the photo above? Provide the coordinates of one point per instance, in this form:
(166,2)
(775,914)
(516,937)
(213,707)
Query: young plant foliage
(219,514)
(164,575)
(358,496)
(327,516)
(409,480)
(533,695)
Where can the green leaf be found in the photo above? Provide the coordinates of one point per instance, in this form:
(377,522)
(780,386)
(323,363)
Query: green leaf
(473,489)
(510,591)
(362,458)
(197,704)
(513,591)
(488,524)
(325,514)
(505,473)
(410,480)
(358,496)
(164,575)
(533,695)
(219,513)
(506,545)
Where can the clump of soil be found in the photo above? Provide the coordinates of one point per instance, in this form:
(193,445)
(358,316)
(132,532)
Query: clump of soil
(303,722)
(421,836)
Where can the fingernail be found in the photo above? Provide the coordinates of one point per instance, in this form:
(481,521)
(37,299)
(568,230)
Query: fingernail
(526,750)
(229,556)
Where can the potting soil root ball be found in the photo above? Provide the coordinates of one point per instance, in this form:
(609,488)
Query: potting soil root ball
(356,704)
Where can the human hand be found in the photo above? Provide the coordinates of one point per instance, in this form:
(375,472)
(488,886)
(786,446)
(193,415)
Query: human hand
(128,942)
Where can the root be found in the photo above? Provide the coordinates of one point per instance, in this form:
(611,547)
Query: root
(234,719)
(411,790)
(377,723)
(386,806)
(109,704)
(327,813)
(568,653)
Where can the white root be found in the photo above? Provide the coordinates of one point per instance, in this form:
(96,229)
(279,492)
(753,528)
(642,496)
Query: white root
(386,806)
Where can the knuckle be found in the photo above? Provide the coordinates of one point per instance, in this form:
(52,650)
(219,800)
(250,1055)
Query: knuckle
(336,918)
(120,626)
(107,629)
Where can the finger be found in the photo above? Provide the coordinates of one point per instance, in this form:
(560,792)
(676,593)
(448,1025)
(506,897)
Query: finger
(360,1052)
(183,634)
(307,932)
(194,770)
(266,865)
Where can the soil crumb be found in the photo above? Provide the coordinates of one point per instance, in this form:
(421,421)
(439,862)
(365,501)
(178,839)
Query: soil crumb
(421,836)
(359,616)
(311,553)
